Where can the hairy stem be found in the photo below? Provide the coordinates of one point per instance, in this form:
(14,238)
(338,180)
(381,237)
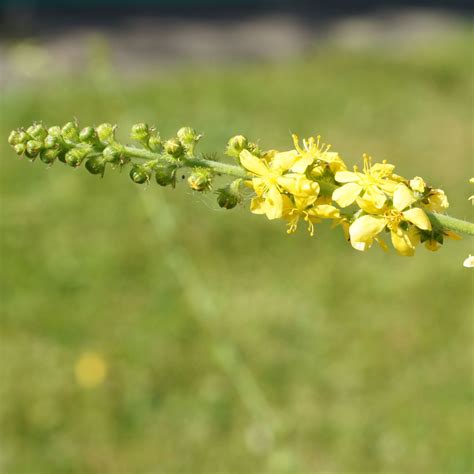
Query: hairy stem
(439,220)
(451,223)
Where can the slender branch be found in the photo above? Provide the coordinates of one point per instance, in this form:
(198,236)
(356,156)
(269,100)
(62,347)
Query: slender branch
(193,162)
(451,223)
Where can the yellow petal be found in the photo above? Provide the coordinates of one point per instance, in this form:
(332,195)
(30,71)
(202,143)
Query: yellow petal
(381,170)
(402,197)
(375,196)
(367,206)
(298,185)
(257,205)
(287,205)
(417,217)
(326,211)
(346,177)
(365,228)
(438,201)
(301,164)
(402,242)
(347,194)
(285,160)
(252,163)
(418,184)
(273,203)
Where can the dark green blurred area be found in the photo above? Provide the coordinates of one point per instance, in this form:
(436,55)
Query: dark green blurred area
(232,347)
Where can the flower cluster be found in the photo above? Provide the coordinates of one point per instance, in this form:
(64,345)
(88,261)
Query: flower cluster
(311,182)
(308,183)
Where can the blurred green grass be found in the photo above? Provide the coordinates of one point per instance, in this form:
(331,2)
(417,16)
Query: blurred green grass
(232,347)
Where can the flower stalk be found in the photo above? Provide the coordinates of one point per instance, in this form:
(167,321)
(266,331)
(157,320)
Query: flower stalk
(308,183)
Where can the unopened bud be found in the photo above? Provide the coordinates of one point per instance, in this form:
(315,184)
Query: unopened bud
(51,141)
(166,175)
(88,135)
(174,147)
(200,179)
(106,133)
(229,196)
(48,156)
(154,143)
(140,132)
(236,145)
(37,131)
(20,148)
(77,155)
(113,153)
(33,147)
(14,138)
(70,133)
(54,131)
(140,174)
(96,165)
(188,138)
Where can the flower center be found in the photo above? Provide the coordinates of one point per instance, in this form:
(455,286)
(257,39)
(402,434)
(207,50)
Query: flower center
(393,218)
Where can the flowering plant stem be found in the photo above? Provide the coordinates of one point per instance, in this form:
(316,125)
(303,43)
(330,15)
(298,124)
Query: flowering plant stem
(438,220)
(306,184)
(189,162)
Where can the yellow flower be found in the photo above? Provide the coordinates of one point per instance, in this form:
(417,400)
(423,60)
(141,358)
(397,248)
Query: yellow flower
(418,184)
(313,151)
(309,209)
(437,201)
(271,181)
(363,231)
(90,370)
(374,184)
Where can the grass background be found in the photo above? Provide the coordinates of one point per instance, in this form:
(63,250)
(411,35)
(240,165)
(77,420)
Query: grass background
(232,347)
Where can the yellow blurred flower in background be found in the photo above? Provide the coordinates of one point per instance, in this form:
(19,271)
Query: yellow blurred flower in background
(90,369)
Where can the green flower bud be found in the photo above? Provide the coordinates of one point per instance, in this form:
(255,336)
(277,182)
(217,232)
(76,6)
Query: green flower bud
(33,147)
(113,153)
(140,132)
(77,155)
(51,141)
(54,131)
(235,145)
(88,135)
(48,156)
(166,175)
(23,137)
(70,133)
(19,148)
(188,136)
(37,131)
(14,138)
(106,133)
(96,165)
(140,174)
(229,196)
(174,147)
(254,149)
(200,179)
(155,144)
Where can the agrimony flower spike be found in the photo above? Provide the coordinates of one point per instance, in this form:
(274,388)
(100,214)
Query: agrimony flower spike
(307,183)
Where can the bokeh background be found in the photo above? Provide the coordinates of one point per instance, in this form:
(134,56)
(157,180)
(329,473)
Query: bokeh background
(145,330)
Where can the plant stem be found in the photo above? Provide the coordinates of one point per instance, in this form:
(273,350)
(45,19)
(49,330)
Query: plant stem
(192,162)
(451,223)
(439,220)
